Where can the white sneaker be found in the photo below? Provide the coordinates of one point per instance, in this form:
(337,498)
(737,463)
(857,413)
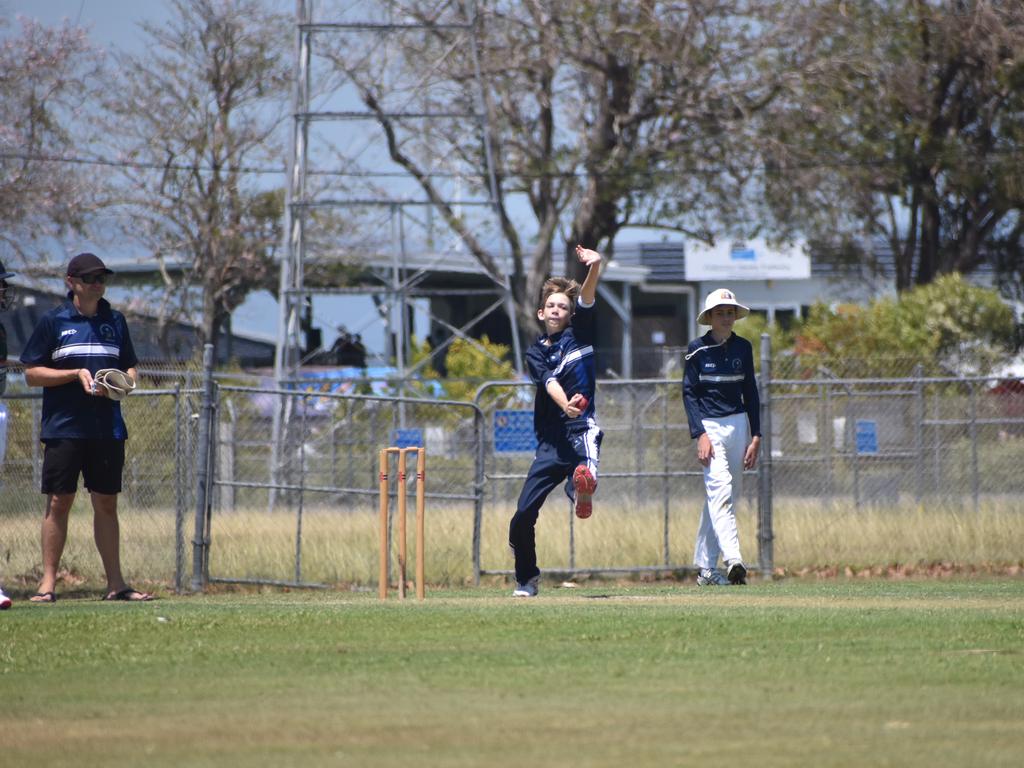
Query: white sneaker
(711,577)
(529,589)
(5,601)
(737,572)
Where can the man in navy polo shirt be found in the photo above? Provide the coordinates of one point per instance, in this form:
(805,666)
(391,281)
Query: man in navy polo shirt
(82,427)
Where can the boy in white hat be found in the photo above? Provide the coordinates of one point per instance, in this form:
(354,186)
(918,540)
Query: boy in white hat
(723,409)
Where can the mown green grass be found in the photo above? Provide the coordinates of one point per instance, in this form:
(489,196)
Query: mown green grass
(776,674)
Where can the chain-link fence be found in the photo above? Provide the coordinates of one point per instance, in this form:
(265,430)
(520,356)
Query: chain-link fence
(287,490)
(650,485)
(158,491)
(295,483)
(854,443)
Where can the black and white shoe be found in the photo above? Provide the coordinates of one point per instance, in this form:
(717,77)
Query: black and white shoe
(711,577)
(736,572)
(529,589)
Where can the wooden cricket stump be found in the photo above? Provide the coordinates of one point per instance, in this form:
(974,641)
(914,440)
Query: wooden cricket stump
(384,497)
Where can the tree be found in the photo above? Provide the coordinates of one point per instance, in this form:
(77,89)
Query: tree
(600,116)
(948,326)
(909,127)
(203,105)
(47,77)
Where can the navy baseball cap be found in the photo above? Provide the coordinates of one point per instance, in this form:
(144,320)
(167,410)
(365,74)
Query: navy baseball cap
(4,274)
(86,264)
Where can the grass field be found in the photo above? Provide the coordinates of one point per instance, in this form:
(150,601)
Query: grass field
(790,673)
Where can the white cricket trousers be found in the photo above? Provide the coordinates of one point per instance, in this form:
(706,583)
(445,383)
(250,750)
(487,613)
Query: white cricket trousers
(723,483)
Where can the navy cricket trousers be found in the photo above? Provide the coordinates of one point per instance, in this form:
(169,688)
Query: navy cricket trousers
(553,464)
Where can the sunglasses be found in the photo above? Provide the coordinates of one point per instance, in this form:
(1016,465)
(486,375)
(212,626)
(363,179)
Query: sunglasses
(100,278)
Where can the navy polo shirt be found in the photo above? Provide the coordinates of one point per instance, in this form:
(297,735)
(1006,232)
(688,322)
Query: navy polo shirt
(718,380)
(569,359)
(67,340)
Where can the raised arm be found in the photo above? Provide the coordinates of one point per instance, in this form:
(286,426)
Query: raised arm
(592,259)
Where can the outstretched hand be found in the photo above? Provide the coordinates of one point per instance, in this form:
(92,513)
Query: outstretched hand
(587,256)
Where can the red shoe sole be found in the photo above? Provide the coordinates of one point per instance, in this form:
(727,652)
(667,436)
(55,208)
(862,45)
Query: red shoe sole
(583,481)
(584,506)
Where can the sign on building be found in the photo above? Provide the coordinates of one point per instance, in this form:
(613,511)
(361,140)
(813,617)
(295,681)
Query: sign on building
(746,260)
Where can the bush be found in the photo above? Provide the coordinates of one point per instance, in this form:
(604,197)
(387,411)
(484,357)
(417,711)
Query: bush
(469,364)
(948,327)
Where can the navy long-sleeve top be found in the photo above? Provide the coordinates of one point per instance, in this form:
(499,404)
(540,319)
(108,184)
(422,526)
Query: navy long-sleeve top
(568,358)
(718,380)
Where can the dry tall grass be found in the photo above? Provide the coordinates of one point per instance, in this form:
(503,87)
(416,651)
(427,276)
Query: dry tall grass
(340,546)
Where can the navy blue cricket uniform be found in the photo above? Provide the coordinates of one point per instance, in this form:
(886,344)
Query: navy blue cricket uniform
(721,400)
(563,443)
(64,338)
(719,381)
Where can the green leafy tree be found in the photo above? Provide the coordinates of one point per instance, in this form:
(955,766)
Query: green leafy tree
(908,129)
(949,326)
(754,325)
(469,364)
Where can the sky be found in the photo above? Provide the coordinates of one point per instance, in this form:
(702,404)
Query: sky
(113,24)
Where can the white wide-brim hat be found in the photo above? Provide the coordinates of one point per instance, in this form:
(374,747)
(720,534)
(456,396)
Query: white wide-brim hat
(721,297)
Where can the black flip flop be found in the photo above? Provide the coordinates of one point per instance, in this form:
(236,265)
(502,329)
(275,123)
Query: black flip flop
(126,596)
(44,598)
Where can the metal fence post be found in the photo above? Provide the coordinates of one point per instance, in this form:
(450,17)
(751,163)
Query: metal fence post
(827,441)
(37,459)
(301,489)
(478,488)
(179,501)
(919,434)
(203,472)
(853,452)
(974,443)
(665,485)
(765,535)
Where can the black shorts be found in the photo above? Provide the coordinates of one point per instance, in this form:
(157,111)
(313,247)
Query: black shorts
(100,463)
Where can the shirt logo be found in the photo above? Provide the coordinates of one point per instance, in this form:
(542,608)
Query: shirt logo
(107,331)
(68,332)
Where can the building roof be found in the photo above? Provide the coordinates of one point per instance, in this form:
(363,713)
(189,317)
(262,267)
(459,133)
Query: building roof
(180,341)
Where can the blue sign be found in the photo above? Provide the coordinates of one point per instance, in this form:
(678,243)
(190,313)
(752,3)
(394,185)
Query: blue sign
(513,432)
(867,436)
(743,254)
(407,438)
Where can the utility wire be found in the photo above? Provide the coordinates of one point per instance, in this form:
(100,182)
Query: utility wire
(672,173)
